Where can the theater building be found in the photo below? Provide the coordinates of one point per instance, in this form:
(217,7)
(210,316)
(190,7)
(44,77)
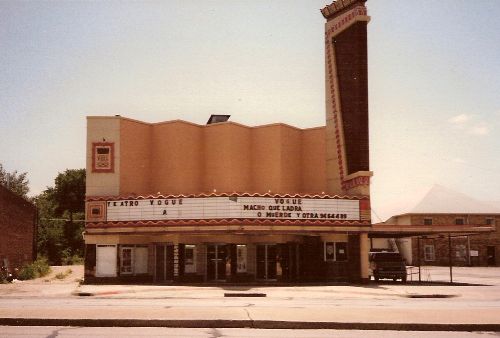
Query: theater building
(178,202)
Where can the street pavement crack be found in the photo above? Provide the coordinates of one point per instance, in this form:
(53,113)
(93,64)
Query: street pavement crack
(55,333)
(248,315)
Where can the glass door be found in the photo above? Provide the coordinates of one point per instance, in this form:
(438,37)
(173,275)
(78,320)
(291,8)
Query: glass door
(216,262)
(266,261)
(164,267)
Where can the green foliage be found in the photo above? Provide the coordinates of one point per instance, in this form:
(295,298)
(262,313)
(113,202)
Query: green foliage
(71,259)
(69,191)
(38,268)
(50,241)
(77,260)
(42,266)
(28,272)
(61,214)
(62,275)
(14,181)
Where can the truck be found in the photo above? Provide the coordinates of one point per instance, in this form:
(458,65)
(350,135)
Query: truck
(388,265)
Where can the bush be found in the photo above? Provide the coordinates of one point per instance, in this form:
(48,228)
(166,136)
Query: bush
(28,272)
(38,268)
(42,266)
(77,260)
(62,275)
(71,259)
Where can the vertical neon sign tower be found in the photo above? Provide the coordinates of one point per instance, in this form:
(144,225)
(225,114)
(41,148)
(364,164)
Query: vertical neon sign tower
(346,65)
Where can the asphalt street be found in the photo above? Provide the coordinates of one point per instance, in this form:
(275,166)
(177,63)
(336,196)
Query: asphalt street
(68,332)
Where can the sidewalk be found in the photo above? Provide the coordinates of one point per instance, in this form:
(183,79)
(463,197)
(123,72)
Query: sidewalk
(390,306)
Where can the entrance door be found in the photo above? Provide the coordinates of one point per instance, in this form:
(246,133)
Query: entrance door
(216,262)
(266,261)
(164,267)
(490,253)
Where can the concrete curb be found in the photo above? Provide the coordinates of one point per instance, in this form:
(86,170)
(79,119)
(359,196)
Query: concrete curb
(254,324)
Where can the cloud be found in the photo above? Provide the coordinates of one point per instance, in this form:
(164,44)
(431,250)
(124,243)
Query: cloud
(459,160)
(460,119)
(470,124)
(479,129)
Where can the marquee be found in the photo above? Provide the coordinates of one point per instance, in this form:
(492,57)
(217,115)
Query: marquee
(232,207)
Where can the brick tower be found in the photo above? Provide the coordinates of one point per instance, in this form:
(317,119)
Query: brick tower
(346,69)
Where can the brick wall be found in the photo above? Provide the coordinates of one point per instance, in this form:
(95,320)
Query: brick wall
(17,229)
(459,245)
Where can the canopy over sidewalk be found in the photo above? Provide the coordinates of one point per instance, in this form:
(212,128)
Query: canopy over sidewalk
(426,231)
(398,230)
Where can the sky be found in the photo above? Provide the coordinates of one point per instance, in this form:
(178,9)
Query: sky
(434,81)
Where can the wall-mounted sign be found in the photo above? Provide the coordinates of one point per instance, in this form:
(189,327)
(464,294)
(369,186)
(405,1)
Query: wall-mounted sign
(103,157)
(233,208)
(474,253)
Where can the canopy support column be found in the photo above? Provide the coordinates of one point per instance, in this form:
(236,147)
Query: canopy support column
(450,259)
(418,260)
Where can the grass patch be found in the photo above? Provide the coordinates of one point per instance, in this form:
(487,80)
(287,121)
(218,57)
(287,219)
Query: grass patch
(38,268)
(62,275)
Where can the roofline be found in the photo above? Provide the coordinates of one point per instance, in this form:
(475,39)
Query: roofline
(445,213)
(19,197)
(202,125)
(222,194)
(397,230)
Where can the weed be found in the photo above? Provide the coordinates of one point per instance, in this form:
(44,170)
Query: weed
(62,275)
(38,268)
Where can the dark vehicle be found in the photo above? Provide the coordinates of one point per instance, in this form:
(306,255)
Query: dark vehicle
(388,265)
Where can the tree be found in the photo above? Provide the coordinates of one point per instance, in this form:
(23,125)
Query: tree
(16,182)
(69,191)
(61,209)
(69,194)
(50,240)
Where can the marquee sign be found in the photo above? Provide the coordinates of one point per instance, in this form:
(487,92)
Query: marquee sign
(229,207)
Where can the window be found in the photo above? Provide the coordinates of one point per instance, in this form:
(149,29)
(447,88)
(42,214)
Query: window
(141,260)
(459,221)
(241,258)
(189,258)
(429,253)
(427,221)
(490,221)
(133,259)
(460,251)
(335,251)
(340,251)
(329,251)
(103,157)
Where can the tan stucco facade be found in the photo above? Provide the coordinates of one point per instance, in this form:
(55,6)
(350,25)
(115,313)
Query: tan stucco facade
(179,157)
(105,129)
